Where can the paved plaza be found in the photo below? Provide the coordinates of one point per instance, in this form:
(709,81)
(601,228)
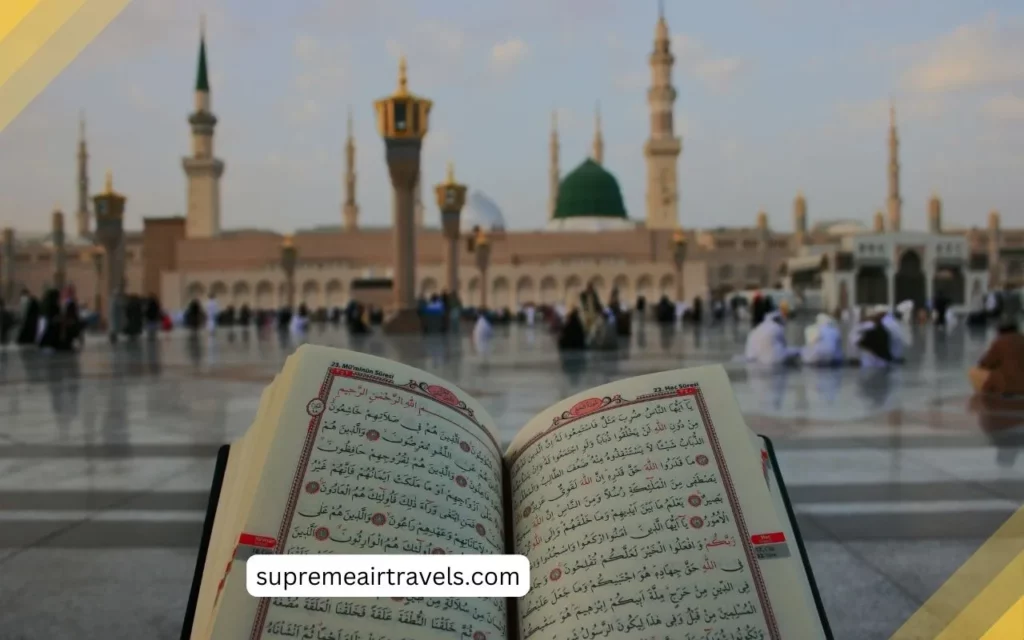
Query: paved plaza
(106,459)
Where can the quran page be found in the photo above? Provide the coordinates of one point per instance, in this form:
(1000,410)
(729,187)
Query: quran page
(636,503)
(370,457)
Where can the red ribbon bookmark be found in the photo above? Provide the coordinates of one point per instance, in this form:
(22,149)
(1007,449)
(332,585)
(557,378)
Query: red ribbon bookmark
(263,542)
(768,538)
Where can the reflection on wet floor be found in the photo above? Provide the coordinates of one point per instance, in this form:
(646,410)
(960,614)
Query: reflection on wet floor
(897,476)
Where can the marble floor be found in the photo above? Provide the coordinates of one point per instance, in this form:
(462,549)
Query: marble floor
(106,458)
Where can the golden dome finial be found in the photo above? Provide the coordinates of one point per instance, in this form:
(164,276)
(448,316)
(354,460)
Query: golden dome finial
(451,172)
(481,237)
(110,181)
(403,76)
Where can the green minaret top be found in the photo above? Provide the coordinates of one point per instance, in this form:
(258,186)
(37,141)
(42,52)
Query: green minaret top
(202,79)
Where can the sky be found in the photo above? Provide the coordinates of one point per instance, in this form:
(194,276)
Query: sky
(774,97)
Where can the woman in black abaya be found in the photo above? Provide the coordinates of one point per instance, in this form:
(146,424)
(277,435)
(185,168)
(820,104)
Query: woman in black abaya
(572,335)
(29,328)
(51,318)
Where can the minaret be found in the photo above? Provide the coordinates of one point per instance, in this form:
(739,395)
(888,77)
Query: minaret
(764,234)
(663,146)
(598,152)
(879,222)
(202,169)
(934,214)
(894,202)
(82,214)
(350,211)
(800,218)
(60,254)
(554,176)
(995,267)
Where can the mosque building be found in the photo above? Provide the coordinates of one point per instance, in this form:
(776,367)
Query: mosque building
(589,238)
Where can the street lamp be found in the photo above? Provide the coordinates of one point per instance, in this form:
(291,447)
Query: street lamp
(403,122)
(95,255)
(451,196)
(109,207)
(482,248)
(679,257)
(289,256)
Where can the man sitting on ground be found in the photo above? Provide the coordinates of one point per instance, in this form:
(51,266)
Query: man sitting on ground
(766,344)
(1001,369)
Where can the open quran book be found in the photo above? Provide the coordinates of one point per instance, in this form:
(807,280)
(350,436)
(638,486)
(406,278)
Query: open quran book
(646,507)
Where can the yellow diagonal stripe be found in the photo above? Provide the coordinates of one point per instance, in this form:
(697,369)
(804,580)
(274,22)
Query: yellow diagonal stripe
(978,594)
(11,13)
(1010,626)
(985,610)
(59,30)
(28,37)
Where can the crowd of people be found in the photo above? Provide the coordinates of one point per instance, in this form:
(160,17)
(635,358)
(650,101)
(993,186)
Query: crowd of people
(357,317)
(879,338)
(53,322)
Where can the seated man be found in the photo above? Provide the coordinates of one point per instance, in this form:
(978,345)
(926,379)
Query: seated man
(1001,369)
(766,344)
(872,340)
(824,343)
(899,337)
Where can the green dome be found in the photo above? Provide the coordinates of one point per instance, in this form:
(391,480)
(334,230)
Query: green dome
(589,191)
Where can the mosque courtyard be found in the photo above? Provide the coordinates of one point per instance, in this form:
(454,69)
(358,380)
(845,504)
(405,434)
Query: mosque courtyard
(106,459)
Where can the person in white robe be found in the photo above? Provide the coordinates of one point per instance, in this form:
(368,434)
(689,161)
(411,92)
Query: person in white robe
(299,323)
(482,334)
(824,345)
(991,303)
(212,309)
(766,343)
(906,311)
(951,318)
(482,330)
(681,309)
(531,315)
(899,338)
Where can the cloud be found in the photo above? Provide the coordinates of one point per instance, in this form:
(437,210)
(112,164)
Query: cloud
(509,53)
(1004,108)
(694,58)
(985,54)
